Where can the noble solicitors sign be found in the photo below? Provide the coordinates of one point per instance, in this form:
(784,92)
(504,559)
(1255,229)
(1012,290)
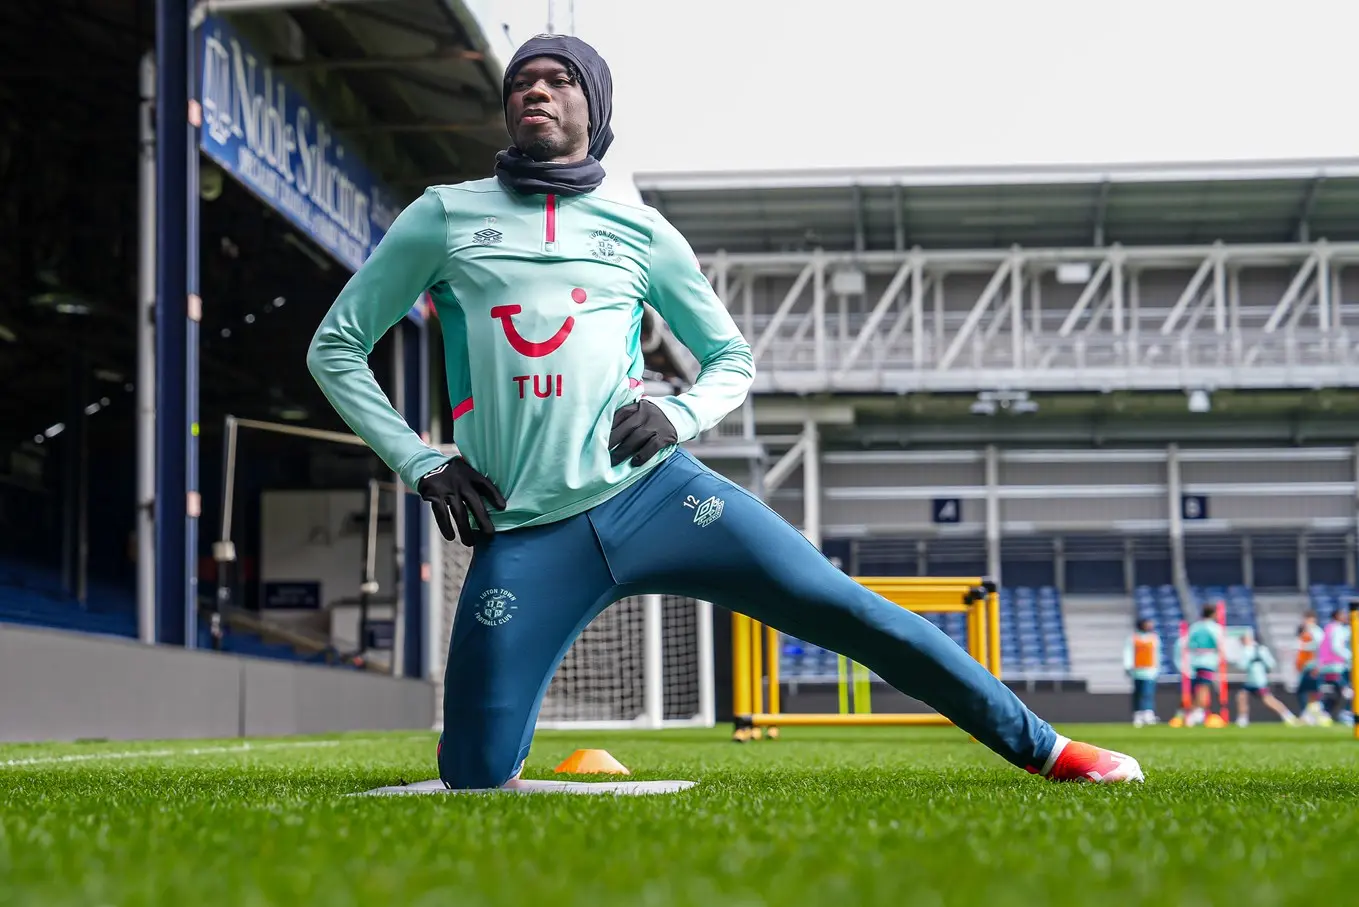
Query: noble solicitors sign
(259,128)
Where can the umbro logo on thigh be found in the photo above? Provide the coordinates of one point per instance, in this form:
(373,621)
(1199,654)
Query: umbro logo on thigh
(705,512)
(496,607)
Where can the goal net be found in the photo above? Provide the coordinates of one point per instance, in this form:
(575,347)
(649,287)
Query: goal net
(645,662)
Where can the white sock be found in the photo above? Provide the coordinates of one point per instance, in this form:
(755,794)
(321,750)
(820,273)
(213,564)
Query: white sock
(1052,756)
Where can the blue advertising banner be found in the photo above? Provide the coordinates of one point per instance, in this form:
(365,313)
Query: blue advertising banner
(261,130)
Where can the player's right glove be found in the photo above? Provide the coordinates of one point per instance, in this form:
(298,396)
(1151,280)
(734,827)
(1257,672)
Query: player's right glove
(453,490)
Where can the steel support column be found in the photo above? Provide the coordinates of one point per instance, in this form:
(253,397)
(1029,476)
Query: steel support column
(175,153)
(1304,581)
(1129,566)
(993,513)
(1351,573)
(1352,549)
(811,483)
(1178,572)
(819,311)
(192,372)
(146,356)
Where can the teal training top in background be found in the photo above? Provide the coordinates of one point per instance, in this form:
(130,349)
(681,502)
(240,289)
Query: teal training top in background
(540,302)
(1202,644)
(1257,661)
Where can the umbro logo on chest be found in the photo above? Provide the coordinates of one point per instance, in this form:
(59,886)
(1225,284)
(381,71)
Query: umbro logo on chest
(488,235)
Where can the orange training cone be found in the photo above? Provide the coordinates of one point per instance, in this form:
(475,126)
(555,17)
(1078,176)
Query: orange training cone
(592,762)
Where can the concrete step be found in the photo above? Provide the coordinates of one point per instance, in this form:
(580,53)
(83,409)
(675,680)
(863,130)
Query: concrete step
(1097,627)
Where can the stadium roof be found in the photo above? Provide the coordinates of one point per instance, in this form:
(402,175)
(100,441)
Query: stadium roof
(989,207)
(427,73)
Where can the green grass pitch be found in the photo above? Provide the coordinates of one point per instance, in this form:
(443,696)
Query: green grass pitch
(1262,816)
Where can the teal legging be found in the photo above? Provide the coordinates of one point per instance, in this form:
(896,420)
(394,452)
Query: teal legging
(684,530)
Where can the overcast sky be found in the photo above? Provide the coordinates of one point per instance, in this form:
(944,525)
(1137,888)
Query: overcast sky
(772,84)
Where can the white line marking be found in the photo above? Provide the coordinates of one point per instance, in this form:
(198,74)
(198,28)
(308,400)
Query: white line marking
(158,754)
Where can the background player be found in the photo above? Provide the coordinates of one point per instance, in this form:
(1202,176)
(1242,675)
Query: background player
(1142,662)
(1257,661)
(1333,666)
(1309,686)
(1206,655)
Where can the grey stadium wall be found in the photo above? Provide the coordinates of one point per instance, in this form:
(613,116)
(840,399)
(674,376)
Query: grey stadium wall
(76,686)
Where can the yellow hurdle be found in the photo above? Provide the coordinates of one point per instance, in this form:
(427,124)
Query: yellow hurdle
(1354,659)
(874,719)
(756,667)
(756,651)
(842,682)
(740,664)
(862,689)
(775,648)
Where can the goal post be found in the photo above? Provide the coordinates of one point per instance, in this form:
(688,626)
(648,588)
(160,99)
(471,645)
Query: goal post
(646,662)
(757,650)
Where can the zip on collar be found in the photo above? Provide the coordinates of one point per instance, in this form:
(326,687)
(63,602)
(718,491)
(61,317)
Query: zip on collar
(550,227)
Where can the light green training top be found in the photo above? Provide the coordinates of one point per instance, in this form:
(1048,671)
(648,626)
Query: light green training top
(540,301)
(1202,642)
(1257,661)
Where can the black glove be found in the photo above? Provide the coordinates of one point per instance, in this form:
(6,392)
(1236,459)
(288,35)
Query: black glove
(640,431)
(452,490)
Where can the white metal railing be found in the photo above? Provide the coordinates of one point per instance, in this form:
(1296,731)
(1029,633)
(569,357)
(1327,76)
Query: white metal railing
(1139,318)
(1098,362)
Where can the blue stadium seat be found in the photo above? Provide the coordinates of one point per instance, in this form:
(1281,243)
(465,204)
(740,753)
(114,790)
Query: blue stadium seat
(1326,599)
(34,595)
(1033,635)
(1239,604)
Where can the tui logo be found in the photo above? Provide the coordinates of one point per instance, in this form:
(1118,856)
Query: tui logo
(535,349)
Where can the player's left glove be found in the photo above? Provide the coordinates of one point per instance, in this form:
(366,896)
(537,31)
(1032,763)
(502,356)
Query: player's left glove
(640,431)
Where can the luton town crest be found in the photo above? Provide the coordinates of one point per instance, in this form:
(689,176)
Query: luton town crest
(605,245)
(496,607)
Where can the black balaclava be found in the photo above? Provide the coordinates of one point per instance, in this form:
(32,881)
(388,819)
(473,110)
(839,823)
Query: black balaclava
(523,174)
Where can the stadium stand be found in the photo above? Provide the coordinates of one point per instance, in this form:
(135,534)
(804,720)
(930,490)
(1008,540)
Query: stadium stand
(1240,602)
(34,596)
(1326,599)
(1033,619)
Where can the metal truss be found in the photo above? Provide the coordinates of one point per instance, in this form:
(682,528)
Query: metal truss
(1091,319)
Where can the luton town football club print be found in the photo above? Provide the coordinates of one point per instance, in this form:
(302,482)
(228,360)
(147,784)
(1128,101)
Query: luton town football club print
(496,607)
(605,245)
